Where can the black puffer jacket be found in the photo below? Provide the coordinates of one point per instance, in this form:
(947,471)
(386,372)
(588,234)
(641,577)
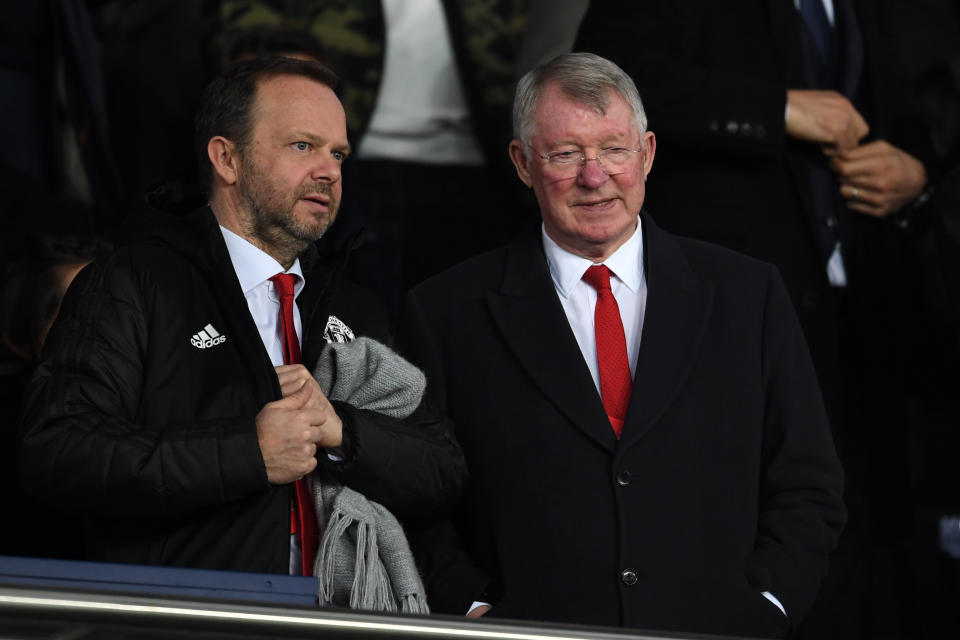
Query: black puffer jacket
(153,438)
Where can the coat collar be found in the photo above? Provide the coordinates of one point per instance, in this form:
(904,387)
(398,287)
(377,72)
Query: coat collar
(531,320)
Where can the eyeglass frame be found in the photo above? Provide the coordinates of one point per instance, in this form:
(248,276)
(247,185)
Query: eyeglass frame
(583,158)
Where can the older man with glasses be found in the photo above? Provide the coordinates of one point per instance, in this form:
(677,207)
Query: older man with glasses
(647,442)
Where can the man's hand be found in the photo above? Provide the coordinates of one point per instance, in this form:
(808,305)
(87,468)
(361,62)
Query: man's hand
(825,117)
(290,430)
(878,178)
(292,378)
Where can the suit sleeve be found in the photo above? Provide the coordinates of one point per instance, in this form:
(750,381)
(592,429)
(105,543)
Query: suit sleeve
(801,507)
(689,102)
(81,444)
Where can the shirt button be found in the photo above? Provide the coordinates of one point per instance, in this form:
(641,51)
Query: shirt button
(624,478)
(629,577)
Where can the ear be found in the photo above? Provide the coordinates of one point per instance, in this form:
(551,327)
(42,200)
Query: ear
(519,157)
(649,142)
(224,159)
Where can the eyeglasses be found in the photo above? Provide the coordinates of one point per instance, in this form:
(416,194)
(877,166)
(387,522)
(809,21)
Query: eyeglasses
(567,164)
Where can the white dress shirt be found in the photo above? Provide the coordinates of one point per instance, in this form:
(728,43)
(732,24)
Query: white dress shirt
(254,268)
(579,300)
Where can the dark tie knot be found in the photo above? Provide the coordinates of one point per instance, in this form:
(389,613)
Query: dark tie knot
(283,283)
(598,277)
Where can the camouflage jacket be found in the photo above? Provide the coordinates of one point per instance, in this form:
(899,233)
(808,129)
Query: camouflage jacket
(485,34)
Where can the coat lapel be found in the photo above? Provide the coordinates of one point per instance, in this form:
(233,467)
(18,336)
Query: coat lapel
(678,310)
(532,323)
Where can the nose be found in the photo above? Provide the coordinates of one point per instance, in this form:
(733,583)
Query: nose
(326,169)
(592,174)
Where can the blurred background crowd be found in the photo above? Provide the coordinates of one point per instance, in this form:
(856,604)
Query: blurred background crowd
(96,136)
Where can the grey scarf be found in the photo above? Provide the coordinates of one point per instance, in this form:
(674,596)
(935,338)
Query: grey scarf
(364,558)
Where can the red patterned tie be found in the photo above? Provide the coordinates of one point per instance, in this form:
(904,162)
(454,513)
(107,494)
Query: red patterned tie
(612,360)
(302,519)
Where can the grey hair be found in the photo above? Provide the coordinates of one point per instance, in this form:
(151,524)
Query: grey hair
(584,77)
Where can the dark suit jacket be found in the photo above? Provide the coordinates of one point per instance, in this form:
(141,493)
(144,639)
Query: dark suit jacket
(724,483)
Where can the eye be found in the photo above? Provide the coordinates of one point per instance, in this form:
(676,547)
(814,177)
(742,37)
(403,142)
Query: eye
(616,154)
(563,157)
(339,156)
(301,146)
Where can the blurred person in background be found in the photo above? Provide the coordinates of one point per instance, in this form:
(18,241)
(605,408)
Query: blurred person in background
(36,275)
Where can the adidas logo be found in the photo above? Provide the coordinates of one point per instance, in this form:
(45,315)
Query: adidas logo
(207,337)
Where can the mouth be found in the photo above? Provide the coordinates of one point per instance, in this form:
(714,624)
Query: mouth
(319,200)
(598,204)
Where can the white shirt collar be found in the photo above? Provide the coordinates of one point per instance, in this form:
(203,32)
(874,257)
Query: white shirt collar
(254,266)
(567,268)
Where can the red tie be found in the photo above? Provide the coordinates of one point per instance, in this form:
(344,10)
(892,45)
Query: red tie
(612,360)
(302,519)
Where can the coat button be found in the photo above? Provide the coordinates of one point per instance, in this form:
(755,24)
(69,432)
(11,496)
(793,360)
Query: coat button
(760,131)
(732,127)
(746,129)
(623,478)
(629,577)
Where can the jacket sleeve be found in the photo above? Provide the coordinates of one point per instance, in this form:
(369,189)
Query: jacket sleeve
(83,445)
(801,507)
(412,466)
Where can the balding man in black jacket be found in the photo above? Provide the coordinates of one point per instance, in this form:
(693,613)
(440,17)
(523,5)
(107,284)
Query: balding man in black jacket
(168,408)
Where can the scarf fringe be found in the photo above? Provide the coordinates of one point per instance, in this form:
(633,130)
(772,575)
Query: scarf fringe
(371,587)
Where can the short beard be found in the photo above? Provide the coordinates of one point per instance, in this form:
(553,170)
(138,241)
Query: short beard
(272,224)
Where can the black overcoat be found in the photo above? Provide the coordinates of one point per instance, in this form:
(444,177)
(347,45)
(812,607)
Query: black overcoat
(724,484)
